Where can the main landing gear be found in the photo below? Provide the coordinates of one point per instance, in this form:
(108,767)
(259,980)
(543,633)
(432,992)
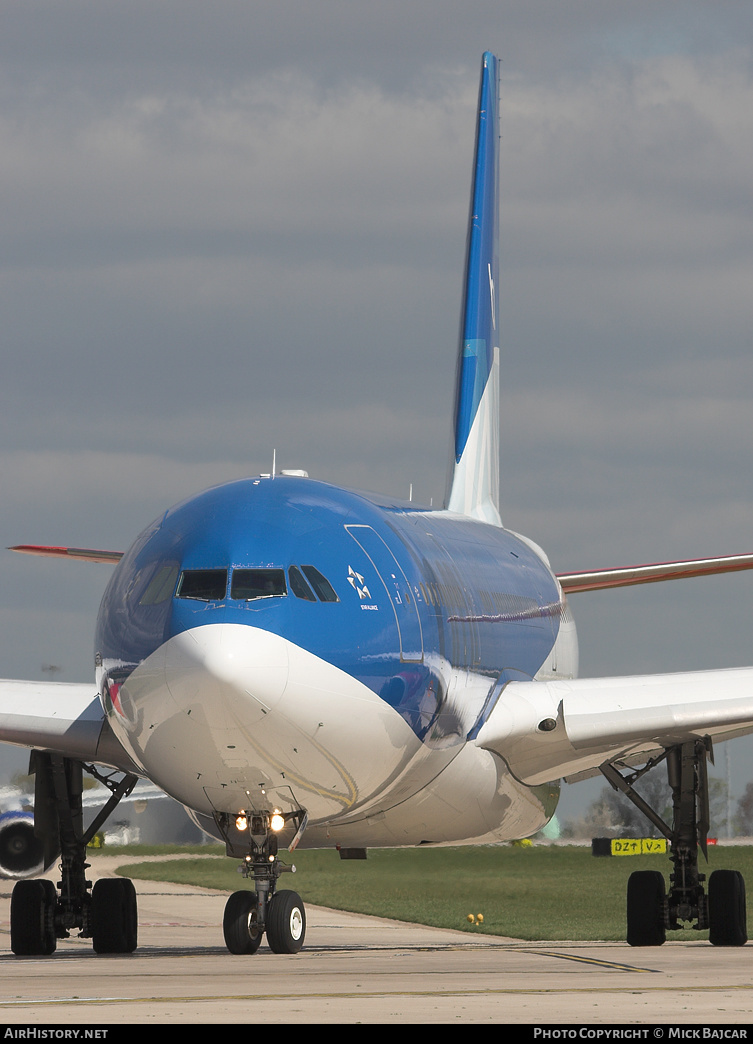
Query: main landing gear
(651,910)
(106,913)
(248,915)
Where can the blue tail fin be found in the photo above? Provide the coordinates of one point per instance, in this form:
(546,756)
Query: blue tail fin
(474,472)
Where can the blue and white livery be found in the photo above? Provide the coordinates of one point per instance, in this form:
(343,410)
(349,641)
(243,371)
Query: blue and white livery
(302,665)
(474,474)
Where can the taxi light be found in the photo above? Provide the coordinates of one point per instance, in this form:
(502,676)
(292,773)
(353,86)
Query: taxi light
(277,822)
(241,823)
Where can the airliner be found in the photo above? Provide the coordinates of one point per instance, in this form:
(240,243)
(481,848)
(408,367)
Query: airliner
(21,851)
(306,666)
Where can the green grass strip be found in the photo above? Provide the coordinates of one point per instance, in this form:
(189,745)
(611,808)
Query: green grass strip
(538,893)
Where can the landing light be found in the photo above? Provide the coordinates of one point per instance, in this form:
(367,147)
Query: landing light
(277,822)
(241,823)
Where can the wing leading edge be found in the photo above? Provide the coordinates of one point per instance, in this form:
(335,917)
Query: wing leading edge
(628,576)
(60,717)
(552,730)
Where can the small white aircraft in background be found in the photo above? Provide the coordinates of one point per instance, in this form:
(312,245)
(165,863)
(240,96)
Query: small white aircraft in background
(300,664)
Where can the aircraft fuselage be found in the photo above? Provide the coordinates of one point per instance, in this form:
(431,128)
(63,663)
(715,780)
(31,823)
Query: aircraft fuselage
(300,646)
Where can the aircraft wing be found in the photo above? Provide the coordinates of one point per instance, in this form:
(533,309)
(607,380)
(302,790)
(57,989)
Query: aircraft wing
(588,580)
(83,554)
(627,576)
(560,729)
(60,717)
(14,798)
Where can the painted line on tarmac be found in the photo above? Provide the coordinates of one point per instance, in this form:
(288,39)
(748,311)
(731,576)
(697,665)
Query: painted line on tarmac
(374,994)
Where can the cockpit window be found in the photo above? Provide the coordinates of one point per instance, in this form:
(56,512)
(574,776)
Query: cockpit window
(161,586)
(206,585)
(298,585)
(321,584)
(247,584)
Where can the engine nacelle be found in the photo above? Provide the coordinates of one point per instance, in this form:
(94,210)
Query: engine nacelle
(21,851)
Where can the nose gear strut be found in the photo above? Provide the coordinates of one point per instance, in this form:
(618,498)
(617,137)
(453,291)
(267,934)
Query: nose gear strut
(278,913)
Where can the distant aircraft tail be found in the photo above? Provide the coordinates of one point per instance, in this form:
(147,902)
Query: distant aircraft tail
(473,484)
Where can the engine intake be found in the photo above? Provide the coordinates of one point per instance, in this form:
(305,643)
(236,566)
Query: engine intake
(21,851)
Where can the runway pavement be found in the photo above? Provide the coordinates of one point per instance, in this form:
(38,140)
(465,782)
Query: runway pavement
(356,969)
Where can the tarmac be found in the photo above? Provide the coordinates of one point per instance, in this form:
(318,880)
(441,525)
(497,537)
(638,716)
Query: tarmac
(358,969)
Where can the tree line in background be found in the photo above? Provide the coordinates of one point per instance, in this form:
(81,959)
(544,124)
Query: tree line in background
(614,815)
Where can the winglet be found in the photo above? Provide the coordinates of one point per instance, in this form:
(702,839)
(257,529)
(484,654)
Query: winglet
(473,486)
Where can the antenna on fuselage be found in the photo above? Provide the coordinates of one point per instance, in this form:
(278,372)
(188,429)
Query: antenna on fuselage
(274,461)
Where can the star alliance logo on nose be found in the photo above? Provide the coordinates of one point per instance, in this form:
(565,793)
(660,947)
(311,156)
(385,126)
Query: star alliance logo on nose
(356,582)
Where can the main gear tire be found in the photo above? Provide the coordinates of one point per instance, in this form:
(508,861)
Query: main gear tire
(645,908)
(727,911)
(114,916)
(32,919)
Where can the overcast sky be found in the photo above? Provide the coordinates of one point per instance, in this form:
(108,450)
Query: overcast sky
(236,227)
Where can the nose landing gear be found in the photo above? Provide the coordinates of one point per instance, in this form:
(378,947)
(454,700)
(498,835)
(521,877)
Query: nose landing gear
(248,915)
